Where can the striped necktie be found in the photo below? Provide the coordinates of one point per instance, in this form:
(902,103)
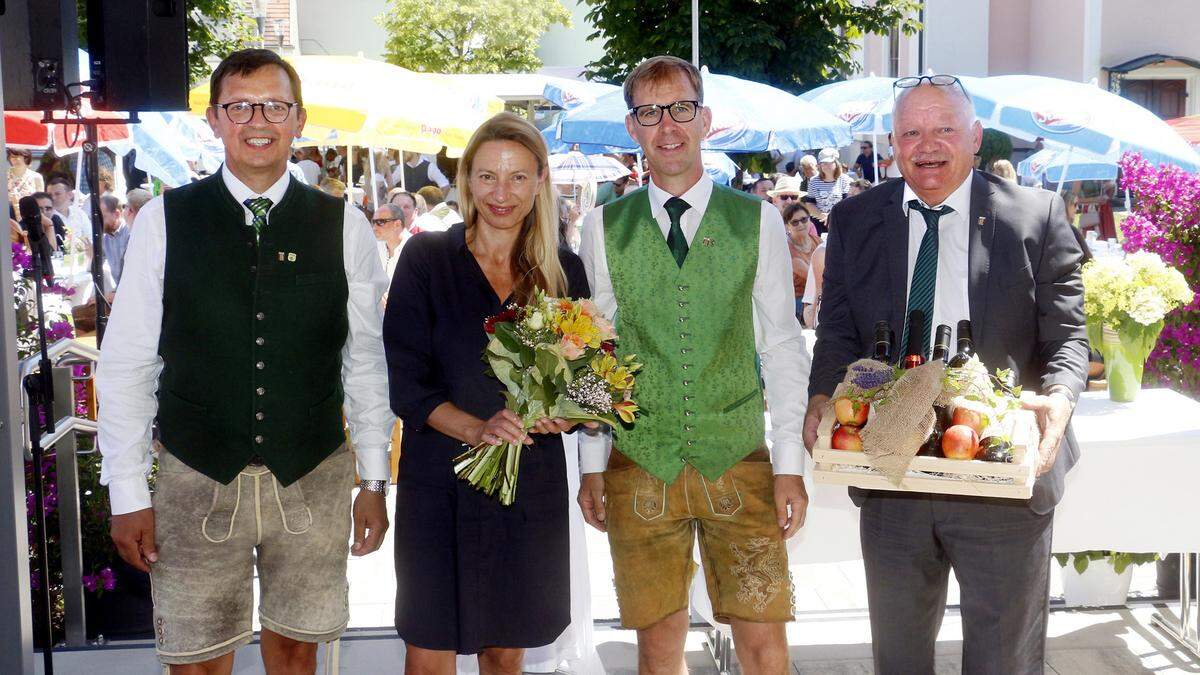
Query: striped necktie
(675,240)
(259,206)
(924,277)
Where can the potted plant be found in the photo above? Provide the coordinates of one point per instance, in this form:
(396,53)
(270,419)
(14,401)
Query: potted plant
(1125,301)
(1098,578)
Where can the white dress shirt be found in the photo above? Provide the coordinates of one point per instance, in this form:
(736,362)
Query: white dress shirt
(127,378)
(434,173)
(778,340)
(950,303)
(389,260)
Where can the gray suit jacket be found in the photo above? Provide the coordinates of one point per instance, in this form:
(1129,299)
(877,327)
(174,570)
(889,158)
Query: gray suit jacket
(1025,293)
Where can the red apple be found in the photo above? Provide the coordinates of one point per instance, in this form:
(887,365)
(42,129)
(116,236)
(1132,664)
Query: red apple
(960,442)
(969,417)
(847,438)
(851,413)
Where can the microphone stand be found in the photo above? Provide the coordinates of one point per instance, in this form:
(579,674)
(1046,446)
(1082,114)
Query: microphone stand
(39,388)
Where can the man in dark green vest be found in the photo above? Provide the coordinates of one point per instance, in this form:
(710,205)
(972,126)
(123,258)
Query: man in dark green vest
(697,279)
(247,325)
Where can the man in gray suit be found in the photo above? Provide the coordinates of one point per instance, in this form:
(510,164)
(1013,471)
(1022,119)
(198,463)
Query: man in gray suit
(1003,256)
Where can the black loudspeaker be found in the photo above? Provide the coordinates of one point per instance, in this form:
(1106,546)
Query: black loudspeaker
(39,47)
(138,54)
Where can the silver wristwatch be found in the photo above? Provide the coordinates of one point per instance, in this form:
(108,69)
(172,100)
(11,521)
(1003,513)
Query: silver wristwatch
(376,486)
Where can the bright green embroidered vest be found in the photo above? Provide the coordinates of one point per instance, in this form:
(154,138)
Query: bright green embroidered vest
(693,328)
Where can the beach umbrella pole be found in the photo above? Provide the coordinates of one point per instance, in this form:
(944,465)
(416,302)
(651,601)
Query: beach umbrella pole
(639,168)
(371,180)
(350,170)
(1062,177)
(875,157)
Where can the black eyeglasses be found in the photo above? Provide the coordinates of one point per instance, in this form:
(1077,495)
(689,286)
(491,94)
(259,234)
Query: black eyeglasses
(786,198)
(935,80)
(651,114)
(241,112)
(799,220)
(379,222)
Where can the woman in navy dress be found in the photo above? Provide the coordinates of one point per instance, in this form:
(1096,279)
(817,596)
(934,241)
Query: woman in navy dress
(475,577)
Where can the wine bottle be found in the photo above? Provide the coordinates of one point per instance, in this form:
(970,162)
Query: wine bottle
(966,348)
(941,344)
(914,354)
(883,342)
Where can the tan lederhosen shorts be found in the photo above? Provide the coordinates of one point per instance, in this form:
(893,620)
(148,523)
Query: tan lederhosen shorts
(652,527)
(210,538)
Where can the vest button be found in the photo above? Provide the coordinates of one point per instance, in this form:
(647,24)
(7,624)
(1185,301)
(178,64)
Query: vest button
(685,366)
(684,336)
(260,391)
(687,383)
(259,416)
(260,365)
(258,439)
(688,413)
(685,350)
(683,289)
(682,319)
(260,316)
(253,269)
(259,341)
(691,443)
(683,303)
(688,427)
(687,399)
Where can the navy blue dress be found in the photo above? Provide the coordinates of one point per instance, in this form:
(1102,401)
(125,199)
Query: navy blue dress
(470,573)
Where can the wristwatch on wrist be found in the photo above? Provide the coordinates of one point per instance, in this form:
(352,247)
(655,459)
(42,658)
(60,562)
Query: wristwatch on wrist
(1064,390)
(376,486)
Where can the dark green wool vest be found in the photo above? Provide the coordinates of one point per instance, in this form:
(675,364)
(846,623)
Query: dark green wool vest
(693,328)
(252,332)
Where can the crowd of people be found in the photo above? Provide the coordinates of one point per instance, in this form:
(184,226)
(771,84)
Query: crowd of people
(379,285)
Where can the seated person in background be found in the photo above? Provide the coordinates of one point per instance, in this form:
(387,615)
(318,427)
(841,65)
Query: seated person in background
(859,186)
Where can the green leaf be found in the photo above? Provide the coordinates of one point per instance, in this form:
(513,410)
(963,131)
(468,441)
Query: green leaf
(1062,558)
(1081,563)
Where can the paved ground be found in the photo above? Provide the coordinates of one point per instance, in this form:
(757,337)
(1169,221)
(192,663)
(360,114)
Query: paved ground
(831,635)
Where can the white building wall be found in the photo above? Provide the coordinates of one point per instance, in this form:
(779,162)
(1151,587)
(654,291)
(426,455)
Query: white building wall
(956,36)
(563,50)
(344,27)
(1133,28)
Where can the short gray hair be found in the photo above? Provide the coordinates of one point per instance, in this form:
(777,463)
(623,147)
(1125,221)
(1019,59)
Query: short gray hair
(966,105)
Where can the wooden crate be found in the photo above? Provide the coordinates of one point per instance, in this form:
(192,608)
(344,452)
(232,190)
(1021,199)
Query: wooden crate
(937,475)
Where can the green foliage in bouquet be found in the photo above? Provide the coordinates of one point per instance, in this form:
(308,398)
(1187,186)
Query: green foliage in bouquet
(556,359)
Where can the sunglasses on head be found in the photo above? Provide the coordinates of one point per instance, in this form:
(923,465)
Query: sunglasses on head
(935,80)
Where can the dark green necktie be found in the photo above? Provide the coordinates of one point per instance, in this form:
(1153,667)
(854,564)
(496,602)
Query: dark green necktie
(924,277)
(675,240)
(259,206)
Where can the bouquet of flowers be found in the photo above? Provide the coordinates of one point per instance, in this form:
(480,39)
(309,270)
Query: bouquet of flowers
(556,358)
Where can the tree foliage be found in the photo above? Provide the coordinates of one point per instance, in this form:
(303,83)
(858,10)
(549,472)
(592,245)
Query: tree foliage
(791,44)
(468,36)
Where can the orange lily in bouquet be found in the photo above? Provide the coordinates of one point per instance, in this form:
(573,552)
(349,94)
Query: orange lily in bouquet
(556,358)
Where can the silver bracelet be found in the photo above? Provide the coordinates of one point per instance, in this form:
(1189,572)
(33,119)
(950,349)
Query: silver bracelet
(376,486)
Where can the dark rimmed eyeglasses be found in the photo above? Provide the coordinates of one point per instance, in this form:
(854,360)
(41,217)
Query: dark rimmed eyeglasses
(651,114)
(935,80)
(380,222)
(786,198)
(799,220)
(241,112)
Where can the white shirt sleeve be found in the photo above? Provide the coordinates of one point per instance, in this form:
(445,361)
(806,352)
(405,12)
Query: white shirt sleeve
(436,175)
(595,444)
(780,344)
(364,368)
(127,375)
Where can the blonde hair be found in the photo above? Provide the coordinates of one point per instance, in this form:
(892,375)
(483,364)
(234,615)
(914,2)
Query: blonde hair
(535,263)
(1004,169)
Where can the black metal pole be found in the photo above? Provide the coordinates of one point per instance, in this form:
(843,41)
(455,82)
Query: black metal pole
(40,389)
(91,158)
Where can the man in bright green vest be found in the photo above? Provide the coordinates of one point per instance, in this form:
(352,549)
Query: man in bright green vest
(697,279)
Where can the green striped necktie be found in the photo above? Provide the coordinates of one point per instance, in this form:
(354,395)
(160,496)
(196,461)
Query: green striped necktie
(675,240)
(259,206)
(924,278)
